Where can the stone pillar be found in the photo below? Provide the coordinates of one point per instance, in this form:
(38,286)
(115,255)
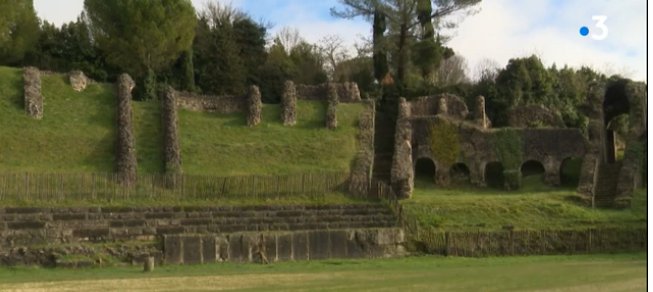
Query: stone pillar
(552,171)
(331,112)
(402,174)
(289,104)
(479,113)
(126,151)
(33,97)
(254,106)
(443,109)
(78,80)
(354,92)
(361,172)
(171,133)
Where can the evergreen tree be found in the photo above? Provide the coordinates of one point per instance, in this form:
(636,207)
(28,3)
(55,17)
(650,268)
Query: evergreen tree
(19,30)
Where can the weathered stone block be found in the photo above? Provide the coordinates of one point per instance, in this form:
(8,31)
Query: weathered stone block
(289,104)
(255,106)
(126,150)
(338,244)
(26,225)
(209,249)
(33,97)
(319,245)
(173,249)
(78,80)
(192,249)
(171,134)
(284,247)
(300,246)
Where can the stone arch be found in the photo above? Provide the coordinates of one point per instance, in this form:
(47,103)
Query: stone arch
(532,168)
(425,170)
(493,175)
(570,169)
(615,104)
(460,174)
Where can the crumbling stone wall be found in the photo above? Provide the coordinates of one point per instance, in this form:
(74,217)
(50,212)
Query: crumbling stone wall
(227,104)
(348,92)
(254,106)
(78,80)
(534,116)
(332,105)
(431,105)
(171,133)
(125,150)
(402,173)
(289,104)
(33,97)
(480,117)
(361,172)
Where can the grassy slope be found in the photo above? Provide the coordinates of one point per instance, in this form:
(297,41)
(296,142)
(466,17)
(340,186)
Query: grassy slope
(77,134)
(560,273)
(535,207)
(223,145)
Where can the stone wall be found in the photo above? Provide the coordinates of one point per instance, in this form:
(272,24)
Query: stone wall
(348,92)
(361,171)
(37,226)
(78,80)
(431,105)
(33,97)
(172,150)
(206,103)
(126,162)
(264,247)
(332,106)
(534,116)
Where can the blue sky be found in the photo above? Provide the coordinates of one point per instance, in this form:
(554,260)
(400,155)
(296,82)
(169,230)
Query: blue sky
(497,31)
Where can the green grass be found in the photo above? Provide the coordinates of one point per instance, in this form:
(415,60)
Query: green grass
(620,272)
(534,207)
(78,135)
(224,145)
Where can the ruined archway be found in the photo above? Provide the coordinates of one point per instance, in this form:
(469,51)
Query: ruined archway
(532,171)
(425,172)
(615,110)
(459,174)
(570,171)
(494,175)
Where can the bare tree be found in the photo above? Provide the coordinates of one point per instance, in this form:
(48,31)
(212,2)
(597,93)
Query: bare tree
(219,15)
(334,52)
(452,71)
(289,38)
(486,69)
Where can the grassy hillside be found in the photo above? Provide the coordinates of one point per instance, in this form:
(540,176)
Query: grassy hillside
(77,134)
(535,207)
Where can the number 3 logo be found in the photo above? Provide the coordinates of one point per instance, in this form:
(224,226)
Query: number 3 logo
(600,24)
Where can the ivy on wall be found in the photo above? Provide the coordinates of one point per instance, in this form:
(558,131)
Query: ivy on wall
(445,144)
(507,144)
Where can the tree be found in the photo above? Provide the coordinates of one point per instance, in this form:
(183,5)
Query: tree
(402,17)
(19,30)
(139,36)
(333,51)
(452,71)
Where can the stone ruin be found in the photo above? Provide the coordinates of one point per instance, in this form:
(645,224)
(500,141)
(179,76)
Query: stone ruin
(126,162)
(540,137)
(361,172)
(171,133)
(332,105)
(348,92)
(254,106)
(289,104)
(534,116)
(78,80)
(33,97)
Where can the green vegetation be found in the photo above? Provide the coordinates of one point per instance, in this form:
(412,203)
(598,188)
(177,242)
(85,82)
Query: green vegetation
(224,145)
(623,272)
(77,135)
(534,207)
(445,144)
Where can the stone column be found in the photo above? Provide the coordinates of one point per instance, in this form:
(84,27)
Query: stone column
(552,171)
(402,174)
(126,151)
(171,133)
(443,109)
(33,97)
(479,113)
(332,100)
(361,172)
(254,106)
(289,104)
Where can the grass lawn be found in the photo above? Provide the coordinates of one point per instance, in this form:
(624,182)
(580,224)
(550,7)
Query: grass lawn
(620,272)
(78,135)
(534,207)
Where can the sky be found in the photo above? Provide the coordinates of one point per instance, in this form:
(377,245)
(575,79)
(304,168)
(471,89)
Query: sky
(496,30)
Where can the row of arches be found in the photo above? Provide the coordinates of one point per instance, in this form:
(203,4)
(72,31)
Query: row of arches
(459,173)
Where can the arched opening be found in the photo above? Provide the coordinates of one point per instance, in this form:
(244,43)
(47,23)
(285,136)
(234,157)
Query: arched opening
(494,175)
(532,173)
(570,171)
(425,172)
(459,174)
(615,110)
